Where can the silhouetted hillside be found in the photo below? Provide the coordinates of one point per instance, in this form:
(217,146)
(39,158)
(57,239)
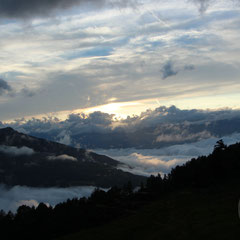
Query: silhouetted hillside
(31,161)
(195,201)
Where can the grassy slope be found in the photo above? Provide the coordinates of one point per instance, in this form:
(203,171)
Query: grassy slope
(190,214)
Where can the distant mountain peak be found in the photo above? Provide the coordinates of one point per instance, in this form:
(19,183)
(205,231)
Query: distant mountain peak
(7,130)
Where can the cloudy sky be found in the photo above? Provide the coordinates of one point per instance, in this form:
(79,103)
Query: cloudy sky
(117,56)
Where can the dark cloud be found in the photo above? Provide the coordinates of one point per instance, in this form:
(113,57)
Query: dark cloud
(168,70)
(189,67)
(4,87)
(28,8)
(31,8)
(26,92)
(161,127)
(202,5)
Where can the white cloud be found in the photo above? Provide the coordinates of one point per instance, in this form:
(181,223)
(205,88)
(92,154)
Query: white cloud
(16,151)
(64,138)
(63,157)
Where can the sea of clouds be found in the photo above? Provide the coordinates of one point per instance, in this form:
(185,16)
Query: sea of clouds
(138,161)
(153,161)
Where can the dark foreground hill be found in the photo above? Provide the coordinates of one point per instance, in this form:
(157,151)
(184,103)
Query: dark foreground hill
(195,201)
(31,161)
(190,214)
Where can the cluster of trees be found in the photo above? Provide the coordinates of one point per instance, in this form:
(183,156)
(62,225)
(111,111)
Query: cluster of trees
(47,222)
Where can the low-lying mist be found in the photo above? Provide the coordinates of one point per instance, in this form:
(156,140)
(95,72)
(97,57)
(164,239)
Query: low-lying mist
(12,198)
(153,161)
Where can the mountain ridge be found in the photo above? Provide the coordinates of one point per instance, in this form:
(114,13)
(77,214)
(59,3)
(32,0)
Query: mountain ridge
(31,161)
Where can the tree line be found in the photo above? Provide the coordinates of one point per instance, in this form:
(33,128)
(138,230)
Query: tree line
(48,222)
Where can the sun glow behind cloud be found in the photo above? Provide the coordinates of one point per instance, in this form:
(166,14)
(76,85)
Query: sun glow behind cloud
(135,108)
(122,60)
(122,110)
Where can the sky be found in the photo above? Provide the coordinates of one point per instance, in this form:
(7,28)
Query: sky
(117,56)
